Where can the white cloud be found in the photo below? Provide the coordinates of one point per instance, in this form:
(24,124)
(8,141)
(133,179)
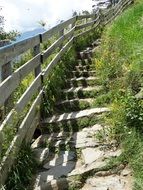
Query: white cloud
(24,15)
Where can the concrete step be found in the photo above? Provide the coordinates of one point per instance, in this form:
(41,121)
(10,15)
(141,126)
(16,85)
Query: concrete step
(82,81)
(85,54)
(88,158)
(74,104)
(84,62)
(81,67)
(80,92)
(81,139)
(74,115)
(83,73)
(96,43)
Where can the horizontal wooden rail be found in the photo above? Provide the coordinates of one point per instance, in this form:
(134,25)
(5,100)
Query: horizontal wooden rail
(65,34)
(79,27)
(20,105)
(9,157)
(14,80)
(80,17)
(11,51)
(56,59)
(45,36)
(89,30)
(57,44)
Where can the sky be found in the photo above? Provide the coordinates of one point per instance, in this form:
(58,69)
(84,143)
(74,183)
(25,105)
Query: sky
(24,15)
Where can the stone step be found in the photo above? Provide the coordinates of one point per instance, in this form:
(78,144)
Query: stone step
(85,62)
(74,115)
(118,182)
(85,54)
(81,139)
(71,152)
(73,125)
(74,104)
(96,43)
(66,162)
(81,92)
(62,164)
(60,171)
(74,90)
(81,67)
(82,81)
(87,66)
(83,73)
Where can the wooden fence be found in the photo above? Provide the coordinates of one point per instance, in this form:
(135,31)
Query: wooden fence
(67,33)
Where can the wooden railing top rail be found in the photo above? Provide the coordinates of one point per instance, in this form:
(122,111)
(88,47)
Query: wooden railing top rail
(11,51)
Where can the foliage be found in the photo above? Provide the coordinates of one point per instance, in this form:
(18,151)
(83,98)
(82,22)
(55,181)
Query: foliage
(1,20)
(9,35)
(56,81)
(22,172)
(42,23)
(6,35)
(86,40)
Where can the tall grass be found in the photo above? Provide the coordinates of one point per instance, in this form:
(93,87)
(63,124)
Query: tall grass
(120,66)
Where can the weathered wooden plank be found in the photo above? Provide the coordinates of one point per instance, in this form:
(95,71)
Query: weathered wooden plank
(57,43)
(81,26)
(45,36)
(61,33)
(14,80)
(4,43)
(80,17)
(11,153)
(6,71)
(22,102)
(20,105)
(28,94)
(32,128)
(56,59)
(36,51)
(9,52)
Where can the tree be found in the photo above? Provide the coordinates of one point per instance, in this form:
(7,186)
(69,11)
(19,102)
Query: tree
(1,22)
(6,35)
(42,23)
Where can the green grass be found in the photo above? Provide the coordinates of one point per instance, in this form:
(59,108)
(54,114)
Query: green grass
(22,172)
(120,68)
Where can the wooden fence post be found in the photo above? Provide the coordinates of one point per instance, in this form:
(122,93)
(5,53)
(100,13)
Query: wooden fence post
(37,71)
(61,33)
(6,71)
(36,51)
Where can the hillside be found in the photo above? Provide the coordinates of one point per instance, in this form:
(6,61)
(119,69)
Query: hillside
(119,62)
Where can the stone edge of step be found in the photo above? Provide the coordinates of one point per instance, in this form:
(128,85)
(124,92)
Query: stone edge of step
(75,115)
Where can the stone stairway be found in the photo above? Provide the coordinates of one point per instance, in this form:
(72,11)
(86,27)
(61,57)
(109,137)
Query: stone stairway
(70,152)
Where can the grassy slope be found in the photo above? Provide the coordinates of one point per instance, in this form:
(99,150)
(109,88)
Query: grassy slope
(120,63)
